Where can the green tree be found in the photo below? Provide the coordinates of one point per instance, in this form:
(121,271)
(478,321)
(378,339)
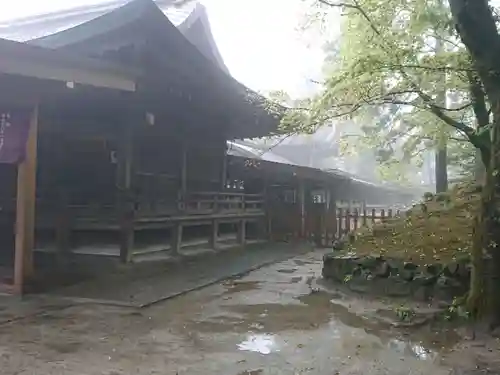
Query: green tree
(399,60)
(406,53)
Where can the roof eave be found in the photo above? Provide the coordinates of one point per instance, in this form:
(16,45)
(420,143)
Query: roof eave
(36,62)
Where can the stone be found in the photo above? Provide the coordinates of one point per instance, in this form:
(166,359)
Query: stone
(360,286)
(434,269)
(464,272)
(409,271)
(451,269)
(422,292)
(445,282)
(407,275)
(395,264)
(370,262)
(410,266)
(397,288)
(337,267)
(339,245)
(383,270)
(423,279)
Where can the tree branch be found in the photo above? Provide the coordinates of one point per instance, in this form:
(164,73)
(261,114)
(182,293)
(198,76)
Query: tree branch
(433,107)
(354,5)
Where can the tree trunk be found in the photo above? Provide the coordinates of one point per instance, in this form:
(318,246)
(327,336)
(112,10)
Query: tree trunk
(441,169)
(490,207)
(477,28)
(479,168)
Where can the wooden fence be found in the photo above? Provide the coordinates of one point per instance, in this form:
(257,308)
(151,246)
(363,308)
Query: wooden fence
(334,223)
(353,219)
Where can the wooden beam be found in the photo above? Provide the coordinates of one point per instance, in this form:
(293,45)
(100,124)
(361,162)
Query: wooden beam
(242,232)
(126,198)
(301,200)
(184,169)
(63,227)
(266,221)
(25,210)
(214,235)
(224,167)
(177,238)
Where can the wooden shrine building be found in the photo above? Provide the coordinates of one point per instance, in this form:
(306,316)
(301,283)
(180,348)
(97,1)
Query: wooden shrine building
(130,169)
(303,202)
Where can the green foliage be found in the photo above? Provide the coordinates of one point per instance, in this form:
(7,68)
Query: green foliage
(401,75)
(428,196)
(457,310)
(405,314)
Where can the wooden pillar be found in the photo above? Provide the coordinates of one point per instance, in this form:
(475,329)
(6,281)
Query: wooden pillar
(126,199)
(63,226)
(224,168)
(242,232)
(333,225)
(302,208)
(214,235)
(177,238)
(184,169)
(328,203)
(266,220)
(25,210)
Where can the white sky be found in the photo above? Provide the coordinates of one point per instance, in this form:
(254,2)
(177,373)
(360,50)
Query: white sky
(258,39)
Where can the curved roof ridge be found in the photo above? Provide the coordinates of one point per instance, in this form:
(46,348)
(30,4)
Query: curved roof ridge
(82,9)
(190,17)
(199,14)
(38,26)
(112,20)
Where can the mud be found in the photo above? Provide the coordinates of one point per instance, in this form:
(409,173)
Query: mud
(268,322)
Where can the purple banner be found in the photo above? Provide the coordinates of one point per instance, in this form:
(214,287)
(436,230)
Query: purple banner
(14,129)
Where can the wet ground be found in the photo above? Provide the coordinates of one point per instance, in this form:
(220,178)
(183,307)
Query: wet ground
(275,320)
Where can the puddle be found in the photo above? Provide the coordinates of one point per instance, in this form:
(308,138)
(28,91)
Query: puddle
(415,350)
(307,312)
(299,262)
(64,347)
(241,286)
(287,270)
(251,372)
(263,344)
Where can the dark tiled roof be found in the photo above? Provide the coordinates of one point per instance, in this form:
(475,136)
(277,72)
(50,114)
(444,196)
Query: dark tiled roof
(189,51)
(189,17)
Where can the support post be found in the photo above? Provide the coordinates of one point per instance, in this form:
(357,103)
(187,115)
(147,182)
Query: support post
(333,216)
(242,228)
(265,223)
(224,168)
(25,210)
(127,199)
(214,235)
(63,227)
(177,238)
(184,169)
(302,208)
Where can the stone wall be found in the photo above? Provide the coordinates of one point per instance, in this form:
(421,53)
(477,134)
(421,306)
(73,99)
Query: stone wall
(377,275)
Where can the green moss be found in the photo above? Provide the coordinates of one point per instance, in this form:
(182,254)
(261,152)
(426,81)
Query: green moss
(442,233)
